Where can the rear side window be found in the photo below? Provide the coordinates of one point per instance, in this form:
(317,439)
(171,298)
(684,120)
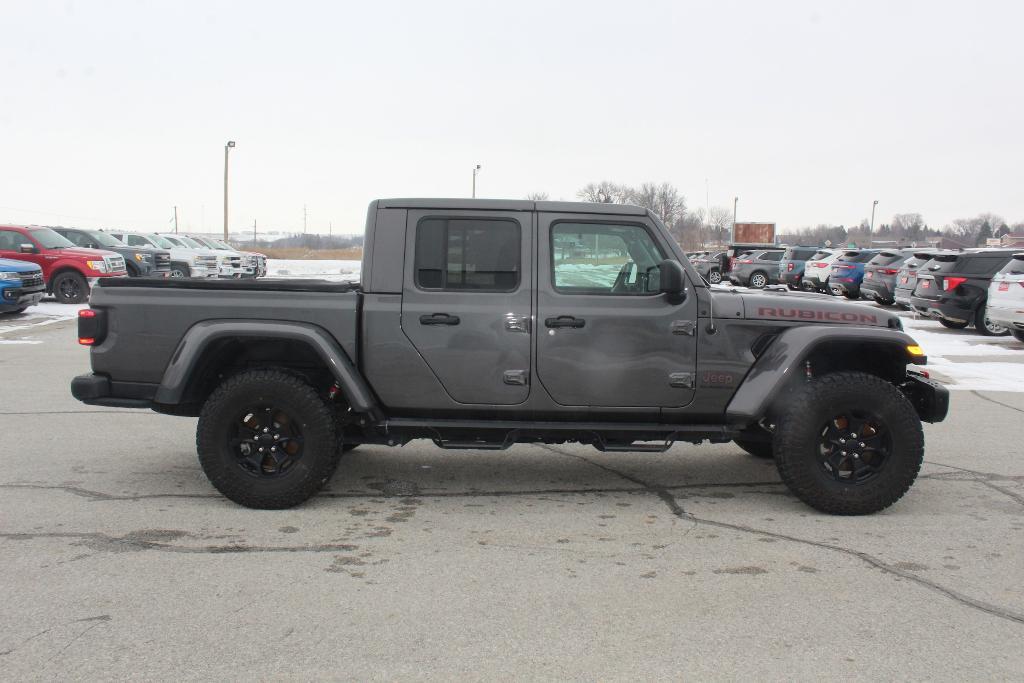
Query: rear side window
(467,254)
(820,255)
(771,256)
(983,265)
(137,241)
(794,254)
(857,257)
(1014,267)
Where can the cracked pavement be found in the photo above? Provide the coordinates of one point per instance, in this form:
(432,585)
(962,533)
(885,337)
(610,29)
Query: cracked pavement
(119,560)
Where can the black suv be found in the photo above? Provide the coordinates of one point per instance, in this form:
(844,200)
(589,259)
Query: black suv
(953,288)
(139,261)
(880,275)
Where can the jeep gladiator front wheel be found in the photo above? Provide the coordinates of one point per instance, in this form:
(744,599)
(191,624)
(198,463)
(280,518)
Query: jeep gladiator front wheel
(849,443)
(267,440)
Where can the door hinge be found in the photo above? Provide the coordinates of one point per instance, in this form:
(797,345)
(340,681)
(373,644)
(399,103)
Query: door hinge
(515,377)
(514,324)
(681,380)
(687,327)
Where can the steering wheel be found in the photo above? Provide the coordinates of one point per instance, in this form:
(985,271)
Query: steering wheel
(620,284)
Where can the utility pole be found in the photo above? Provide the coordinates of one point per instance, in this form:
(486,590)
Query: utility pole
(227,148)
(303,219)
(254,232)
(732,233)
(707,216)
(476,169)
(330,228)
(871,229)
(175,220)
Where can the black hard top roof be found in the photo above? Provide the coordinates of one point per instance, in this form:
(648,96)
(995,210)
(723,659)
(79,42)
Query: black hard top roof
(512,205)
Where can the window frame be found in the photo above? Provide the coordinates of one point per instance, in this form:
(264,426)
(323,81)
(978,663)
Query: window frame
(447,219)
(551,255)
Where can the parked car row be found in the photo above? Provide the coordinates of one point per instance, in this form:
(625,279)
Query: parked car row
(69,261)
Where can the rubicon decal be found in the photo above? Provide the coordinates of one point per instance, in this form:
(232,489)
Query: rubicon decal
(810,314)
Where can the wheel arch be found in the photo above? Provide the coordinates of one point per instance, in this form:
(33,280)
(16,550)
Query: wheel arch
(61,269)
(826,349)
(211,349)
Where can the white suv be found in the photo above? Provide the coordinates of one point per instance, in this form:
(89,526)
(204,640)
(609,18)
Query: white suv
(229,263)
(817,269)
(1006,297)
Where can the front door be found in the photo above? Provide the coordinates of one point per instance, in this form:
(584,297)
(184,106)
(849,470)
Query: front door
(605,335)
(10,247)
(467,301)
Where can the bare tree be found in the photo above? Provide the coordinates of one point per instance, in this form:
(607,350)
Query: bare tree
(605,192)
(907,226)
(663,199)
(537,196)
(720,221)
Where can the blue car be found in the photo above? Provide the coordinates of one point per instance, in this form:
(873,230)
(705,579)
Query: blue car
(21,285)
(848,272)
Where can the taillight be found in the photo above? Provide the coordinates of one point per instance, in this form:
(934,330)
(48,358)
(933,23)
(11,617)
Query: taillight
(820,265)
(745,260)
(91,326)
(951,283)
(888,271)
(841,265)
(789,267)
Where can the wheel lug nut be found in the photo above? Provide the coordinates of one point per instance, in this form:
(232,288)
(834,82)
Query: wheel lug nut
(265,430)
(842,440)
(856,456)
(841,453)
(853,436)
(261,450)
(273,449)
(862,444)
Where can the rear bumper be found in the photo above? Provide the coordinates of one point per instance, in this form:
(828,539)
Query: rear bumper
(879,291)
(98,390)
(941,308)
(791,278)
(1009,317)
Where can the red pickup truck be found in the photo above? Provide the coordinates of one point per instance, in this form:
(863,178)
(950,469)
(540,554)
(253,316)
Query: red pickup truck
(69,271)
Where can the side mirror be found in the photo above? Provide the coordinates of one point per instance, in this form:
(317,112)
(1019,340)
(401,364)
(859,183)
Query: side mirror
(672,280)
(27,249)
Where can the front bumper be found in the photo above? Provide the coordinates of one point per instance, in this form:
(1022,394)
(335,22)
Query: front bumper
(929,398)
(1011,318)
(13,298)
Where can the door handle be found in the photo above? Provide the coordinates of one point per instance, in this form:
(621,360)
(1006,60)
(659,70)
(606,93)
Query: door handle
(565,321)
(439,319)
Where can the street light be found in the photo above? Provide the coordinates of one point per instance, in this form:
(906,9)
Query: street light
(871,229)
(732,233)
(476,169)
(227,147)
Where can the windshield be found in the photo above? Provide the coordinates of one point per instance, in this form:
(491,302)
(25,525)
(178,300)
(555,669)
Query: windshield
(188,242)
(48,239)
(103,239)
(159,241)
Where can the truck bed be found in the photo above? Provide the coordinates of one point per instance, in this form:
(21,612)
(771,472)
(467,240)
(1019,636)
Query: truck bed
(148,319)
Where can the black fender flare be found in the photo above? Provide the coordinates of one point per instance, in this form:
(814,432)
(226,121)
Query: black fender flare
(784,359)
(199,337)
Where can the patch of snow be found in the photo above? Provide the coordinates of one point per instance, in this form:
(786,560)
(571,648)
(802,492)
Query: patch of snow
(335,270)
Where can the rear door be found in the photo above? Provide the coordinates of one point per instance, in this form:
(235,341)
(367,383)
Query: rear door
(606,337)
(467,301)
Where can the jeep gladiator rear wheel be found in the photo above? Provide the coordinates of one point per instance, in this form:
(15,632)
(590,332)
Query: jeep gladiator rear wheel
(849,443)
(267,440)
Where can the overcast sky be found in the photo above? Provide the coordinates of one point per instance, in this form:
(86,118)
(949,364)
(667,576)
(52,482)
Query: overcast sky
(113,112)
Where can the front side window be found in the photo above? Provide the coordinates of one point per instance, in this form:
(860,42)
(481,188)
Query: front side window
(601,258)
(11,240)
(467,254)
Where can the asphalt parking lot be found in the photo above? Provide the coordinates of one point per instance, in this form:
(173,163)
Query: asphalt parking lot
(119,560)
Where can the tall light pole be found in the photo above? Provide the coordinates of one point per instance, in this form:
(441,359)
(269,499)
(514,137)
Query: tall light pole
(871,229)
(476,169)
(732,233)
(227,148)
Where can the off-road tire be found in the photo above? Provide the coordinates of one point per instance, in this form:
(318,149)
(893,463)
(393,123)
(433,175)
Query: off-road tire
(308,474)
(70,288)
(798,434)
(990,329)
(1018,335)
(952,324)
(763,280)
(758,449)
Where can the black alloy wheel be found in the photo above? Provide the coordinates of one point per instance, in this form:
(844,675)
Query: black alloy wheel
(267,442)
(854,447)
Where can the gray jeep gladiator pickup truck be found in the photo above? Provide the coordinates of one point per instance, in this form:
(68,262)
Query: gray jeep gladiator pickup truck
(483,323)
